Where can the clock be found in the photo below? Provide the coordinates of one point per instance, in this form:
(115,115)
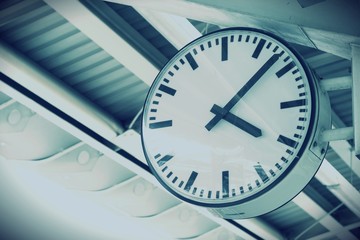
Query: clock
(232,123)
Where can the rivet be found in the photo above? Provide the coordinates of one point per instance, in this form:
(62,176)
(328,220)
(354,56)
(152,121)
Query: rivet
(14,117)
(139,189)
(83,157)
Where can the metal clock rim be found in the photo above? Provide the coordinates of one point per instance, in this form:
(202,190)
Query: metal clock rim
(303,147)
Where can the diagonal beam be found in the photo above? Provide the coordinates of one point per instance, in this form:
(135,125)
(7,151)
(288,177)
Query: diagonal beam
(289,20)
(126,31)
(329,235)
(106,38)
(339,186)
(31,76)
(176,29)
(321,216)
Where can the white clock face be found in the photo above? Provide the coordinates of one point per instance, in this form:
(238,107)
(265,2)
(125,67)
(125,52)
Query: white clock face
(227,118)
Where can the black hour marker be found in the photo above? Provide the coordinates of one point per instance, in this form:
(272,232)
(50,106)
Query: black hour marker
(217,41)
(276,48)
(295,71)
(284,159)
(194,190)
(164,169)
(167,89)
(190,181)
(225,184)
(175,179)
(209,194)
(261,172)
(191,61)
(194,50)
(255,39)
(217,194)
(181,183)
(285,69)
(152,118)
(268,45)
(287,141)
(288,151)
(241,190)
(247,38)
(163,124)
(239,38)
(293,103)
(278,166)
(176,67)
(202,48)
(155,102)
(298,78)
(297,136)
(257,183)
(250,187)
(233,193)
(182,61)
(169,174)
(202,193)
(209,44)
(258,48)
(272,173)
(224,48)
(164,159)
(171,73)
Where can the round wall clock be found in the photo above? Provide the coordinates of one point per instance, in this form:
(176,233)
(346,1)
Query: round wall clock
(231,123)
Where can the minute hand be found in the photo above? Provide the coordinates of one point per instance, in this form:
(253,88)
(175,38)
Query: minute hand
(252,81)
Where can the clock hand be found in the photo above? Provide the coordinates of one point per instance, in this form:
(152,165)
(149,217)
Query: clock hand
(252,81)
(235,120)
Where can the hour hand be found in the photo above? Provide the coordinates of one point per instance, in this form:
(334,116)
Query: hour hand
(236,121)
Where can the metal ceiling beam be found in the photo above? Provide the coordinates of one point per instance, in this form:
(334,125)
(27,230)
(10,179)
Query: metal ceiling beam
(286,19)
(339,186)
(322,217)
(329,235)
(31,76)
(106,38)
(355,53)
(48,110)
(177,30)
(126,31)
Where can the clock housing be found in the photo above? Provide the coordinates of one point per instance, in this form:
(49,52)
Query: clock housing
(232,123)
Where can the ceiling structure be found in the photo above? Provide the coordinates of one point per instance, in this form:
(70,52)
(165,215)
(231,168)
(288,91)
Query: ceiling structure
(75,74)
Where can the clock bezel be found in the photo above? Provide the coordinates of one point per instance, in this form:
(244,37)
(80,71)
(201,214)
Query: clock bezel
(305,146)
